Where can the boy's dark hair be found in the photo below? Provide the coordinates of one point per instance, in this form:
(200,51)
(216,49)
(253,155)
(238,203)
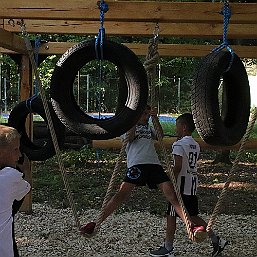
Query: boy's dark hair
(148,107)
(187,118)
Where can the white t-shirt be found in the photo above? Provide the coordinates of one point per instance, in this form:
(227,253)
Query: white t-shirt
(141,150)
(189,149)
(12,187)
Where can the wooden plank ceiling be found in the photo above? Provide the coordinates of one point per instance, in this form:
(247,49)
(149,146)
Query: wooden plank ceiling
(126,11)
(138,18)
(175,50)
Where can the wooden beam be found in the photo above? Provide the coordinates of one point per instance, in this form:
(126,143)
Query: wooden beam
(155,11)
(116,144)
(185,30)
(11,41)
(172,50)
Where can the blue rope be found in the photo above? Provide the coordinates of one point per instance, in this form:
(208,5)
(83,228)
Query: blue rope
(36,91)
(101,34)
(29,102)
(99,41)
(226,17)
(37,46)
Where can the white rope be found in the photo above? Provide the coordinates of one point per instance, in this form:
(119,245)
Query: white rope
(50,124)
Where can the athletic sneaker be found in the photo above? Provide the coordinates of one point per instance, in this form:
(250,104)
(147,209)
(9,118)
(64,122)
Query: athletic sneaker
(88,229)
(162,252)
(218,247)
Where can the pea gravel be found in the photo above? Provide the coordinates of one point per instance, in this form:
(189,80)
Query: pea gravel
(49,232)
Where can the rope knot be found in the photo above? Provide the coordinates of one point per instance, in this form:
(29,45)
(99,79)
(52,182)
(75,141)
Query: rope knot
(103,6)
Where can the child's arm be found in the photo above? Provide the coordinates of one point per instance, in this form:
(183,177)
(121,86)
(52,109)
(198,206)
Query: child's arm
(178,165)
(156,121)
(22,186)
(132,134)
(23,164)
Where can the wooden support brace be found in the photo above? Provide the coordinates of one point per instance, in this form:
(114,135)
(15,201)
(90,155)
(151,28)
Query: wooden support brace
(25,93)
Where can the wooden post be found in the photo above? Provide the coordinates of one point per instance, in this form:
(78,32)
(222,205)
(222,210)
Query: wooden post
(25,92)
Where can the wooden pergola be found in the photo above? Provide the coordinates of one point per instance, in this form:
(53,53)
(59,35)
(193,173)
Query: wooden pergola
(199,20)
(130,18)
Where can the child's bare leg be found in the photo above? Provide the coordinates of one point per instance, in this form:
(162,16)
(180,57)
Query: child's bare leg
(171,228)
(123,193)
(120,197)
(170,195)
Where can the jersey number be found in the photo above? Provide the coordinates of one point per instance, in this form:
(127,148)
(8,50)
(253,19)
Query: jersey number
(192,159)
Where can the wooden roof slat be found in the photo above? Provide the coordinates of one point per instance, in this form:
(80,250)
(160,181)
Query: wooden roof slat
(173,50)
(193,30)
(127,11)
(189,50)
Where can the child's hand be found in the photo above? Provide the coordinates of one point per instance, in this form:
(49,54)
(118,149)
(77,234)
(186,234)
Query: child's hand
(23,163)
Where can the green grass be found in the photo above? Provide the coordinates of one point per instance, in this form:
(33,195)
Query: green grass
(169,129)
(88,180)
(88,174)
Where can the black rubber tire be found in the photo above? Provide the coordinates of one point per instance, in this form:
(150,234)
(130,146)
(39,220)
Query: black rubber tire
(123,92)
(66,107)
(17,119)
(226,124)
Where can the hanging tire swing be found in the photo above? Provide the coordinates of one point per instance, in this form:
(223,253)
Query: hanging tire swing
(17,119)
(222,123)
(66,107)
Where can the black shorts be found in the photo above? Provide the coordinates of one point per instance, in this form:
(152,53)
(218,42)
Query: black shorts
(191,204)
(146,174)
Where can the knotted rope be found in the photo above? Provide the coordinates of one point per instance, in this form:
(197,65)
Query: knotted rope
(223,193)
(50,123)
(108,194)
(150,65)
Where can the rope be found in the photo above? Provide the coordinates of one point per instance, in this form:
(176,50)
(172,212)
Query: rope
(50,123)
(35,82)
(108,194)
(99,42)
(226,17)
(101,34)
(173,179)
(150,65)
(227,14)
(222,196)
(37,46)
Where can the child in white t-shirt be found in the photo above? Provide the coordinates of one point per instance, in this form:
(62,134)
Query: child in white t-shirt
(186,152)
(143,168)
(12,186)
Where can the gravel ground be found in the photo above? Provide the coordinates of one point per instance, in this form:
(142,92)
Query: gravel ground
(51,232)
